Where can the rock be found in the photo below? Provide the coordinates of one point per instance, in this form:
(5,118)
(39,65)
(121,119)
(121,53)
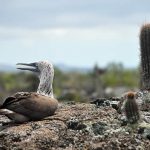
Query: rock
(144,100)
(146,117)
(74,126)
(106,102)
(144,129)
(99,102)
(123,121)
(147,133)
(114,105)
(99,128)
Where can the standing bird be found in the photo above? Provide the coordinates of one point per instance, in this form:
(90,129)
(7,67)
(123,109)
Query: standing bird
(25,106)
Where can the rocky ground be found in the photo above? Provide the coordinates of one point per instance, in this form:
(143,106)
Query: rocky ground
(78,126)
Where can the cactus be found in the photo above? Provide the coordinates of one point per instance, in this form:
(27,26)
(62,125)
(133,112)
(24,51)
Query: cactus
(131,108)
(145,56)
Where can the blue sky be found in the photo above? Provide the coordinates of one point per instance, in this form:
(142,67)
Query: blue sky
(73,32)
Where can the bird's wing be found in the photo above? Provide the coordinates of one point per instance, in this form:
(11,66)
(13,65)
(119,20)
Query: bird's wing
(32,105)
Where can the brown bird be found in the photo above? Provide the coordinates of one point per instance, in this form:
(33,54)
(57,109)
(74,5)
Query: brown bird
(25,106)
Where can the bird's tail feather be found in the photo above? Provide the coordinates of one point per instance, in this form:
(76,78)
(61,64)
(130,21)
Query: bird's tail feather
(5,112)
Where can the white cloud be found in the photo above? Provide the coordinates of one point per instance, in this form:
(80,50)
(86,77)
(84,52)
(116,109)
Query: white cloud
(69,13)
(105,30)
(95,33)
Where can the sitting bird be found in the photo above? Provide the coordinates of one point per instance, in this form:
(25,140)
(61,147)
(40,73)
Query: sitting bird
(26,106)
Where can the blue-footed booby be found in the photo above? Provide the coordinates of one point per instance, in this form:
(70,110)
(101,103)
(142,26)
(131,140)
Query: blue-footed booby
(25,106)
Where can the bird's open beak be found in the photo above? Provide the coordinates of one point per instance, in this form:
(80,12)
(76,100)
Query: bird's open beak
(32,67)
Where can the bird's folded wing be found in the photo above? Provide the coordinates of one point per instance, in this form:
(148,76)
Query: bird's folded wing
(32,105)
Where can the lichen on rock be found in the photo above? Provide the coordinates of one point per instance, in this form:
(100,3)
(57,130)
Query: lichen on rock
(74,126)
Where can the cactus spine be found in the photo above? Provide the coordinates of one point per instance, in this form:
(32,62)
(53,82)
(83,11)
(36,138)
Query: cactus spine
(145,56)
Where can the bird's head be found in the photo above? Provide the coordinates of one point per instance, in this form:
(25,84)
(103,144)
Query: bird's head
(40,68)
(45,71)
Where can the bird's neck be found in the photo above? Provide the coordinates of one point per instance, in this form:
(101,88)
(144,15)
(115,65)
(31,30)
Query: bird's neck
(45,87)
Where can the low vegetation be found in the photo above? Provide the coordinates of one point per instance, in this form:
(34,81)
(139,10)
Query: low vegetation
(76,86)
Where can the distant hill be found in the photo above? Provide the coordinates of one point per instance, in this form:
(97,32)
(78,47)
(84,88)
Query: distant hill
(62,67)
(7,68)
(67,68)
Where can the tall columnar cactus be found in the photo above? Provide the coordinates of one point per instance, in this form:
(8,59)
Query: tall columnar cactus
(145,56)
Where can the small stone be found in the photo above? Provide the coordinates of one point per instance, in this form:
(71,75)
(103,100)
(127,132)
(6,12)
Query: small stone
(99,128)
(114,105)
(127,133)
